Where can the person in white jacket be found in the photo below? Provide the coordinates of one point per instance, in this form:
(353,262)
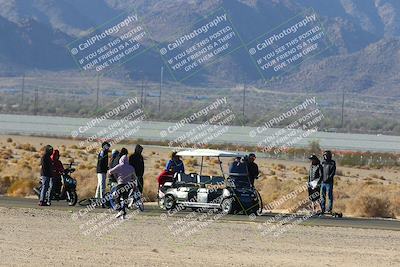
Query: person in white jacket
(126,177)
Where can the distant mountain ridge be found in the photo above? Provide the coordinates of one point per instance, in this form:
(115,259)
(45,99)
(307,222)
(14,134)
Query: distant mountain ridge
(365,33)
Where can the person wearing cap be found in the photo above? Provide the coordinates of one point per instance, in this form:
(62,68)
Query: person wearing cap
(175,164)
(136,160)
(252,168)
(102,168)
(329,170)
(314,181)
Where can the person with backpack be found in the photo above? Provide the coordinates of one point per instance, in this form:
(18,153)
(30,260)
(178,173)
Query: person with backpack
(46,172)
(314,181)
(329,171)
(137,161)
(102,168)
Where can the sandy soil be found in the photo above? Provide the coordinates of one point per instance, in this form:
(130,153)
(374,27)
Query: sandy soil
(52,238)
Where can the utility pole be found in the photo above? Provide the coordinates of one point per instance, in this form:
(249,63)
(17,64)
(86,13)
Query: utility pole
(35,109)
(142,93)
(97,93)
(22,90)
(342,121)
(161,83)
(244,100)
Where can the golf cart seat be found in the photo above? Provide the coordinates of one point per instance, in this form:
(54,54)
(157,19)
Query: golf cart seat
(186,179)
(201,179)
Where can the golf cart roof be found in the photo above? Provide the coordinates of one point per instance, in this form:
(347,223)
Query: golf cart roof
(210,153)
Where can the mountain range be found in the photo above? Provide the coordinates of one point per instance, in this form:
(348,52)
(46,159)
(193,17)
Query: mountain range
(364,56)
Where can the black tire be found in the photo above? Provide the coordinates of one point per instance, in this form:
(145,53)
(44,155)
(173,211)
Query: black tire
(73,198)
(169,202)
(86,202)
(258,212)
(161,202)
(227,206)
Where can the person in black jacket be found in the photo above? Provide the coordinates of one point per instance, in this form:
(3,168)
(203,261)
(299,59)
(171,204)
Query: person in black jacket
(113,162)
(314,181)
(102,168)
(252,168)
(136,160)
(46,173)
(329,170)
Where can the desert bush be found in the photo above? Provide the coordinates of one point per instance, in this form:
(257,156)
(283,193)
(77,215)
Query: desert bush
(9,140)
(366,205)
(27,147)
(21,187)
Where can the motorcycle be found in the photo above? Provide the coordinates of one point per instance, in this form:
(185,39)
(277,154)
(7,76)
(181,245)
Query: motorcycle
(68,192)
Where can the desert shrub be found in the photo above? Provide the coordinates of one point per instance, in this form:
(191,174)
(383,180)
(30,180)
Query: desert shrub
(9,140)
(27,147)
(366,205)
(190,161)
(21,187)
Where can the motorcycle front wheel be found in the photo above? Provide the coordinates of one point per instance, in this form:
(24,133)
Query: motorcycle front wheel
(72,198)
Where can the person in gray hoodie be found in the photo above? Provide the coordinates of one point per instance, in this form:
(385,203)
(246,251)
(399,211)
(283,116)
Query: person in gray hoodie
(126,177)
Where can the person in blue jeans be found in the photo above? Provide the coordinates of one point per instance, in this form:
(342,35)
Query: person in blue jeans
(46,174)
(328,173)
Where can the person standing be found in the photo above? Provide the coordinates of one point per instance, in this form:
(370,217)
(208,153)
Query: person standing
(314,181)
(137,161)
(102,168)
(46,173)
(113,162)
(329,171)
(252,168)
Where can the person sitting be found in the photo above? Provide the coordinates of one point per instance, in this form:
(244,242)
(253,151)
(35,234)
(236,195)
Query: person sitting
(175,164)
(58,171)
(126,178)
(238,167)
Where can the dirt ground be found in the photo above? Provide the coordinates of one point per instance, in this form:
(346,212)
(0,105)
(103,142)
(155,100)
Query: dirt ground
(33,237)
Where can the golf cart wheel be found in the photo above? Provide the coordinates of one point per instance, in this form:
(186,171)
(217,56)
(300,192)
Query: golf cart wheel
(161,202)
(227,206)
(73,198)
(169,202)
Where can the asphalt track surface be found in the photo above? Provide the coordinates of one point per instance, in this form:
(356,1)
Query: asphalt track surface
(151,209)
